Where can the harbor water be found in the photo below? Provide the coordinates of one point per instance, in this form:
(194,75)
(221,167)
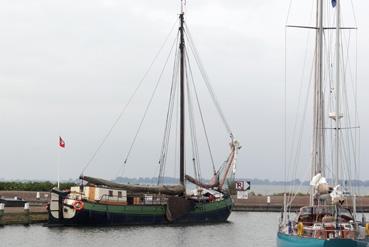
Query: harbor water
(243,229)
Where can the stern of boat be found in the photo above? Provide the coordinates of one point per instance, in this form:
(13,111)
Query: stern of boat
(62,207)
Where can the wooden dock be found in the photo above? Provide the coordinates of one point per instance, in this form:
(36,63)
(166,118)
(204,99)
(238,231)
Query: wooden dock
(260,204)
(36,213)
(19,216)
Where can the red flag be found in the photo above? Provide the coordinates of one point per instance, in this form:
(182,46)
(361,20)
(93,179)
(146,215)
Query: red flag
(61,142)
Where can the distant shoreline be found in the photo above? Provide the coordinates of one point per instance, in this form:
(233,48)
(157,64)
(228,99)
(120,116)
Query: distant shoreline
(174,180)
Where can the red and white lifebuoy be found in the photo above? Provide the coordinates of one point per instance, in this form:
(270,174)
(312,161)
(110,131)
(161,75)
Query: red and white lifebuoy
(78,205)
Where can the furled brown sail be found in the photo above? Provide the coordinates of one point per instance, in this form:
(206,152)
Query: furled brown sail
(162,189)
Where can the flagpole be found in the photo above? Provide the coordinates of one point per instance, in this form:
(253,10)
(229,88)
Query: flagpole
(61,147)
(58,167)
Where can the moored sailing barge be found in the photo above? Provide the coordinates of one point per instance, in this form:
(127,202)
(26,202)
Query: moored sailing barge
(100,202)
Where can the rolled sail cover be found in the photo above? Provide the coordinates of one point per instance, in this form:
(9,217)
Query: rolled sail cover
(162,189)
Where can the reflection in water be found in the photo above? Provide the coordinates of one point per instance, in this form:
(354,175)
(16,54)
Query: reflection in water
(243,229)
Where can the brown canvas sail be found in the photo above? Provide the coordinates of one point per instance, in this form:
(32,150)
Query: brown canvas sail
(159,189)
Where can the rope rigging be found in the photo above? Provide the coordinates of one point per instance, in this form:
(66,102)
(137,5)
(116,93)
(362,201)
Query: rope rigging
(168,124)
(192,102)
(120,115)
(201,116)
(189,79)
(195,149)
(206,80)
(149,103)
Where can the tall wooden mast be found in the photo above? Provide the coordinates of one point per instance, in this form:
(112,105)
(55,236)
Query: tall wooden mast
(182,97)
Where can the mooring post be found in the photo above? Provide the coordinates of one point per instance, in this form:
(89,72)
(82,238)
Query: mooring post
(2,207)
(27,214)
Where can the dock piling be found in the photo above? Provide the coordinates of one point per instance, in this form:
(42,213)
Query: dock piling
(2,207)
(27,214)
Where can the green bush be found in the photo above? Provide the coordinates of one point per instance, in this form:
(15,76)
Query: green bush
(33,186)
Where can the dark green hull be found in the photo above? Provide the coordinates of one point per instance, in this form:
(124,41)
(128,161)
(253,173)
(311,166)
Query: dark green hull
(99,214)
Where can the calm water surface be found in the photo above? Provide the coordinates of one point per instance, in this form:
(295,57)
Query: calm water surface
(243,229)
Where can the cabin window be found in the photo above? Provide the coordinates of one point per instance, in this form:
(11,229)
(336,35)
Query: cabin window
(119,194)
(110,193)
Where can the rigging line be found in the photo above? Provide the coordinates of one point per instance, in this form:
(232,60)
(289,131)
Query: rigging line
(202,117)
(175,79)
(211,91)
(195,156)
(206,80)
(167,131)
(176,113)
(195,150)
(328,64)
(149,103)
(176,138)
(129,100)
(284,124)
(354,12)
(295,128)
(346,159)
(288,12)
(299,141)
(191,111)
(357,120)
(170,119)
(349,135)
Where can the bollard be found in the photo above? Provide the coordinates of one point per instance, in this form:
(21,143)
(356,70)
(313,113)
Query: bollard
(268,202)
(38,195)
(2,207)
(27,214)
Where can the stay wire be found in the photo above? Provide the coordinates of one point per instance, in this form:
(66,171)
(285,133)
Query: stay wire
(129,100)
(201,116)
(207,82)
(149,103)
(167,131)
(195,151)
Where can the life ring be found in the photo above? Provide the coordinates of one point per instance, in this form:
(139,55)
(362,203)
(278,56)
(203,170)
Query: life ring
(78,205)
(300,229)
(367,228)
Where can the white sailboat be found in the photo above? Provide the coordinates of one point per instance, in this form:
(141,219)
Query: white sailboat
(329,219)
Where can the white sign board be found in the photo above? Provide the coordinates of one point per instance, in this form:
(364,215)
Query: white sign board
(243,195)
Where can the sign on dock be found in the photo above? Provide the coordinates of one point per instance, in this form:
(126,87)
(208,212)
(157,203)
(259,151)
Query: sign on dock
(242,195)
(243,185)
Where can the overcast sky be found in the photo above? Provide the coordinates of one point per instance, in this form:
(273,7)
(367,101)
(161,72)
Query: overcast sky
(68,67)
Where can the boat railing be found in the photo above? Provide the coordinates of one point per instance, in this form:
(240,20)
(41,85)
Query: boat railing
(323,230)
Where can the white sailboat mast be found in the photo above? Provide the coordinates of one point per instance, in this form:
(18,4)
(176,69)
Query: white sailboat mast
(318,152)
(338,91)
(319,138)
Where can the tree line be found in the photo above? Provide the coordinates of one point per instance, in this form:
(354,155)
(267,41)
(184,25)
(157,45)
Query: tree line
(33,186)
